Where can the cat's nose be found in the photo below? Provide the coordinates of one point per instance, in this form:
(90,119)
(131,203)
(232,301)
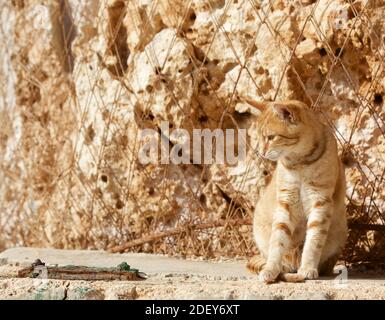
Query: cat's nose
(261,150)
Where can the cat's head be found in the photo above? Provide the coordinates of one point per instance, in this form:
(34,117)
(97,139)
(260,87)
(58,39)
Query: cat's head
(282,126)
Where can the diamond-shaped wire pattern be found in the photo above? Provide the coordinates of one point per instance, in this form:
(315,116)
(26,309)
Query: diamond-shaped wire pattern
(82,79)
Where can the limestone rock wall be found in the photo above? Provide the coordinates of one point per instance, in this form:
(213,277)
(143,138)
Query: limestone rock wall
(81,79)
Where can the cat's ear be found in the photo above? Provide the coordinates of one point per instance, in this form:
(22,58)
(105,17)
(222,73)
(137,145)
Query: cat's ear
(259,105)
(286,112)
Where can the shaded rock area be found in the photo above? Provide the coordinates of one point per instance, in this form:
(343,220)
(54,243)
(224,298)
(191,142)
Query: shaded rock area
(81,79)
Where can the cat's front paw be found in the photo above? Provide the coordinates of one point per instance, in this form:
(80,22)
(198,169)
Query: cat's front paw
(308,273)
(268,275)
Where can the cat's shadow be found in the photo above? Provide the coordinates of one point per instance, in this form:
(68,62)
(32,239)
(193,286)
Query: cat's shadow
(354,275)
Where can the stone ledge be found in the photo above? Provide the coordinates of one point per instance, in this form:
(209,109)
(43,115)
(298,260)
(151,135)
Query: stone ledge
(169,278)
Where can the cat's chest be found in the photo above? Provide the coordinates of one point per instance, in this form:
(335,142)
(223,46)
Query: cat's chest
(297,191)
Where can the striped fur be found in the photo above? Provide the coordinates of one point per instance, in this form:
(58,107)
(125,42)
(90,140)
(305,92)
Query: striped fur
(302,211)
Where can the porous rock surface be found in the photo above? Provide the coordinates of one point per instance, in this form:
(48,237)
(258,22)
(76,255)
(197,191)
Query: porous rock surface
(82,78)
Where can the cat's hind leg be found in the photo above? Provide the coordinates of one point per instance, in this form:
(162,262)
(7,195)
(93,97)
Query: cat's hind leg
(334,245)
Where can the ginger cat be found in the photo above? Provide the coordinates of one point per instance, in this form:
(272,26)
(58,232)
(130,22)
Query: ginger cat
(300,221)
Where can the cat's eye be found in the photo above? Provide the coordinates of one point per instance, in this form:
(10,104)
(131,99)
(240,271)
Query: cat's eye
(270,137)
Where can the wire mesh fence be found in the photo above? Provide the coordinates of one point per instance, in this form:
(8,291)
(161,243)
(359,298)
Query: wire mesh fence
(82,79)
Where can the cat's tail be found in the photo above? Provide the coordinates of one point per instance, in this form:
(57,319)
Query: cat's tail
(291,277)
(256,264)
